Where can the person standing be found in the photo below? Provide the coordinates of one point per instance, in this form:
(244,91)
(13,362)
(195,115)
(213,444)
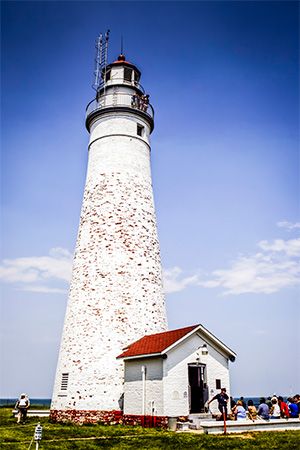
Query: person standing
(22,406)
(223,399)
(144,102)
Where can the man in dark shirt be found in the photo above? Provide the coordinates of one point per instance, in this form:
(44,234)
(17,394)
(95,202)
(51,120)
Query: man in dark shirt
(222,398)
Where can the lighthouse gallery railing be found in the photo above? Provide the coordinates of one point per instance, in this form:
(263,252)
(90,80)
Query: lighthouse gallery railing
(118,100)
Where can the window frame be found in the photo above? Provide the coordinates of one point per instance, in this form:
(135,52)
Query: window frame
(140,130)
(128,70)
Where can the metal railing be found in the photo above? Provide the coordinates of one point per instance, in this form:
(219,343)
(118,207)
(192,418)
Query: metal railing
(120,100)
(121,80)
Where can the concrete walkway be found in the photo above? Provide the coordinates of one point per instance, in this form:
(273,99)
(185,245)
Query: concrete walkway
(246,426)
(35,412)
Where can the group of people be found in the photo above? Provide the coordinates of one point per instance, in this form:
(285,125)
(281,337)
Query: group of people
(140,101)
(22,407)
(271,408)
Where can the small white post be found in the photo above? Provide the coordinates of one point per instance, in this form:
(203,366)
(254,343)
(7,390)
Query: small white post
(38,435)
(143,370)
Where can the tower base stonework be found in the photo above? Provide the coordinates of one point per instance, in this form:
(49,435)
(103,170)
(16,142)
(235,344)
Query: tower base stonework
(107,418)
(83,416)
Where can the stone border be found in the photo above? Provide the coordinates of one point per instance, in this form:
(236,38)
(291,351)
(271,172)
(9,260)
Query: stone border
(81,417)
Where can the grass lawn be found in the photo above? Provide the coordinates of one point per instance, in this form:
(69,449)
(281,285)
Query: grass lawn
(86,437)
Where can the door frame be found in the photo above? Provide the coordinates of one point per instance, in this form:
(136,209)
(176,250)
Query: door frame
(203,372)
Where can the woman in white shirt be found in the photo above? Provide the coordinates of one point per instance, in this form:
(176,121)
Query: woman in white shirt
(275,409)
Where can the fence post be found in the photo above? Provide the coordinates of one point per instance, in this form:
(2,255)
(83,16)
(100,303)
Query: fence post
(224,418)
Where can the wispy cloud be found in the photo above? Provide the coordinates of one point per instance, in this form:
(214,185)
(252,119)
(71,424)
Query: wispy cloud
(38,273)
(43,289)
(174,281)
(274,266)
(288,225)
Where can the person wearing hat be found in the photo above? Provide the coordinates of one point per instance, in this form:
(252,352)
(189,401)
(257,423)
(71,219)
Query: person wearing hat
(222,398)
(22,406)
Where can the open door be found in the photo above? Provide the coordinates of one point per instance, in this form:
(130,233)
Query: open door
(197,387)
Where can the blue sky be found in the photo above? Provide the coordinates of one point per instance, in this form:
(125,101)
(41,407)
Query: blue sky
(223,79)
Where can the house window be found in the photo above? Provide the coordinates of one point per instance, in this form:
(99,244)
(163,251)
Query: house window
(127,74)
(140,130)
(64,381)
(218,384)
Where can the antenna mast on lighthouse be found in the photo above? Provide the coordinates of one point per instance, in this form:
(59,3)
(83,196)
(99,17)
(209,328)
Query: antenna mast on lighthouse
(116,294)
(101,61)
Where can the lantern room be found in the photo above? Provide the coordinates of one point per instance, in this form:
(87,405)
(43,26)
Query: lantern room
(121,72)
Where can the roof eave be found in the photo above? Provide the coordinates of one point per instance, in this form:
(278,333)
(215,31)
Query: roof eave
(145,355)
(198,328)
(221,344)
(231,354)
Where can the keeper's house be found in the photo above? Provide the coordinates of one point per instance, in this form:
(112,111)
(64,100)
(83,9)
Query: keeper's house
(174,373)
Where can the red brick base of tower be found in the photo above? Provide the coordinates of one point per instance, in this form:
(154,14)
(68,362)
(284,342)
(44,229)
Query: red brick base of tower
(81,417)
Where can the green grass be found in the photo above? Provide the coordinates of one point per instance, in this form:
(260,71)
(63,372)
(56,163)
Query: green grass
(91,437)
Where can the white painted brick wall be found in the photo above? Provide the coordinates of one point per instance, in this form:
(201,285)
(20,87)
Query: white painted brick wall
(176,374)
(175,387)
(153,386)
(116,293)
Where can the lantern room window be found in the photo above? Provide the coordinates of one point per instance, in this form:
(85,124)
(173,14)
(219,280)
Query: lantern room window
(136,76)
(127,74)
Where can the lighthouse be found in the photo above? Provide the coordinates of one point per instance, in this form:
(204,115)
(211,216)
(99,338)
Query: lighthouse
(116,295)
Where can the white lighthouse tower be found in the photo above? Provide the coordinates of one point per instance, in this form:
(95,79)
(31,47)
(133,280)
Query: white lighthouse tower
(116,293)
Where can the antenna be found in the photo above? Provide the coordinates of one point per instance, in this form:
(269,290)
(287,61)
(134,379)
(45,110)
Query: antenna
(101,61)
(121,44)
(105,57)
(97,71)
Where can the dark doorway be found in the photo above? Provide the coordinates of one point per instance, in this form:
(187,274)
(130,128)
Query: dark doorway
(198,387)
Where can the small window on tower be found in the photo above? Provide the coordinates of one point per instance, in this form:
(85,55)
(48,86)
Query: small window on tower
(140,130)
(218,384)
(127,74)
(107,76)
(64,381)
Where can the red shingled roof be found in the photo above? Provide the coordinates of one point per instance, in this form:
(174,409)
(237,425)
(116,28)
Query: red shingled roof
(156,343)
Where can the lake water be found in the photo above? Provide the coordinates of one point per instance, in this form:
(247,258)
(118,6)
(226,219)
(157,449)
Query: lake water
(47,401)
(33,401)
